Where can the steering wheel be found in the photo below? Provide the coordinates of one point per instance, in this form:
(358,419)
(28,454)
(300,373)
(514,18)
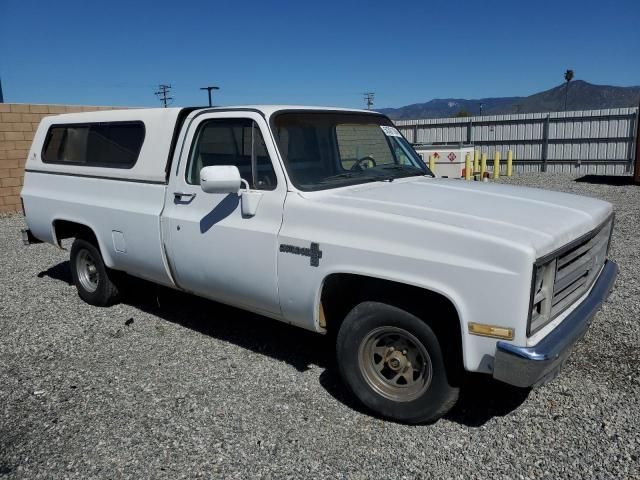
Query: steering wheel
(357,164)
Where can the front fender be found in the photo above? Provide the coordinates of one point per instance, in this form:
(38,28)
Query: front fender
(487,280)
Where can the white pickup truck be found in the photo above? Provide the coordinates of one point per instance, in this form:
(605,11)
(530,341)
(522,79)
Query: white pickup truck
(327,219)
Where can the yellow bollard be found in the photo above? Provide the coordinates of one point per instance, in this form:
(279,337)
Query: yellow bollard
(483,166)
(467,166)
(432,163)
(476,160)
(509,163)
(496,165)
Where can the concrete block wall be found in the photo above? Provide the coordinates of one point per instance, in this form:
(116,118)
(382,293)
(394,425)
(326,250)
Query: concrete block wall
(18,123)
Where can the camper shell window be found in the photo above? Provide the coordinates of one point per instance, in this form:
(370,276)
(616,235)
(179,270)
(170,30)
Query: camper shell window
(104,144)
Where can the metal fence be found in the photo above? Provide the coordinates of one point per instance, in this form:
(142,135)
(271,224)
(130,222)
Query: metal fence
(589,141)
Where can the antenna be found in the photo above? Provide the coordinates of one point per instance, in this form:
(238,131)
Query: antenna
(163,94)
(368,99)
(208,89)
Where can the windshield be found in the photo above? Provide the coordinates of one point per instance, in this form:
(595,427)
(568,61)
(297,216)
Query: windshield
(328,150)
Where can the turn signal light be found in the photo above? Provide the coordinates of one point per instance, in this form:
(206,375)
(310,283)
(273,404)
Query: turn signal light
(491,331)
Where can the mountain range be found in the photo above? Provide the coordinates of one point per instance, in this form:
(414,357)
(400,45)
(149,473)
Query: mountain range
(581,96)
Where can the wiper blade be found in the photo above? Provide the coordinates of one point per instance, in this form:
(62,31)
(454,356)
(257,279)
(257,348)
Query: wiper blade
(361,177)
(400,167)
(337,177)
(404,171)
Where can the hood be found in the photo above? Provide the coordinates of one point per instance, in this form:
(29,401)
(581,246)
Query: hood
(543,219)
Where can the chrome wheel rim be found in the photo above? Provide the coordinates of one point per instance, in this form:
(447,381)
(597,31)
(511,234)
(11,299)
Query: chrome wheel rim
(87,270)
(395,364)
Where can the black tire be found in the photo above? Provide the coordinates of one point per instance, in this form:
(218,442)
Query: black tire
(371,328)
(96,289)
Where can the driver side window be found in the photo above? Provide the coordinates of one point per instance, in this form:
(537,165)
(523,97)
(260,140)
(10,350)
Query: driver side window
(231,141)
(356,142)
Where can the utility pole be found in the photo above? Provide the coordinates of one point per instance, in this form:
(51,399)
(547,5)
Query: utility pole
(368,99)
(481,106)
(163,94)
(1,97)
(208,89)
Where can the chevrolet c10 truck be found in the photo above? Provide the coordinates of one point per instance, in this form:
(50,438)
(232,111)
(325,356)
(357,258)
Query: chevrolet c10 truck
(326,219)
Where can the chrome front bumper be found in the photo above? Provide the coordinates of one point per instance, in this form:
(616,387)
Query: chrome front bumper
(530,366)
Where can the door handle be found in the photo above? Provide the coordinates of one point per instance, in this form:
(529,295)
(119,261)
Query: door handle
(182,195)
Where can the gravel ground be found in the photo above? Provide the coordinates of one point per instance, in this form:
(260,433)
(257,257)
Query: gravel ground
(171,386)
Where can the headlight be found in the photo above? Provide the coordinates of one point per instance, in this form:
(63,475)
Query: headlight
(541,296)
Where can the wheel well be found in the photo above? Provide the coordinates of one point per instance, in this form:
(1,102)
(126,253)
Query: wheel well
(66,229)
(341,292)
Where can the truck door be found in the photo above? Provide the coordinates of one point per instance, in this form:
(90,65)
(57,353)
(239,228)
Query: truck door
(214,250)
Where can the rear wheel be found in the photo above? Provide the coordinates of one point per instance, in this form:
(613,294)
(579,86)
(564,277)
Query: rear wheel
(394,364)
(93,280)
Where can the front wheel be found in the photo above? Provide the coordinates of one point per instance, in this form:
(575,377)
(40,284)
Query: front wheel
(91,276)
(394,364)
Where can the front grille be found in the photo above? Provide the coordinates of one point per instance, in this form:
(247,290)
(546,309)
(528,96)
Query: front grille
(565,277)
(578,268)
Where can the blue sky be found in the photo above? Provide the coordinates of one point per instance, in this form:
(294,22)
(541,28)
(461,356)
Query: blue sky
(322,53)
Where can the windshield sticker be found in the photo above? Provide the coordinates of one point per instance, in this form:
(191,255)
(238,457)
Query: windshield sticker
(390,131)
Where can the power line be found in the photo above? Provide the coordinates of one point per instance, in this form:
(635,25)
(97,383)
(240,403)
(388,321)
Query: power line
(368,99)
(163,94)
(208,89)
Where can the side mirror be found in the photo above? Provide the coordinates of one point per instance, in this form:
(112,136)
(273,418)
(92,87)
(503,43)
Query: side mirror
(220,179)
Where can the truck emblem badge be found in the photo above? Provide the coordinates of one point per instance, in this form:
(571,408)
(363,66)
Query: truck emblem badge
(314,252)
